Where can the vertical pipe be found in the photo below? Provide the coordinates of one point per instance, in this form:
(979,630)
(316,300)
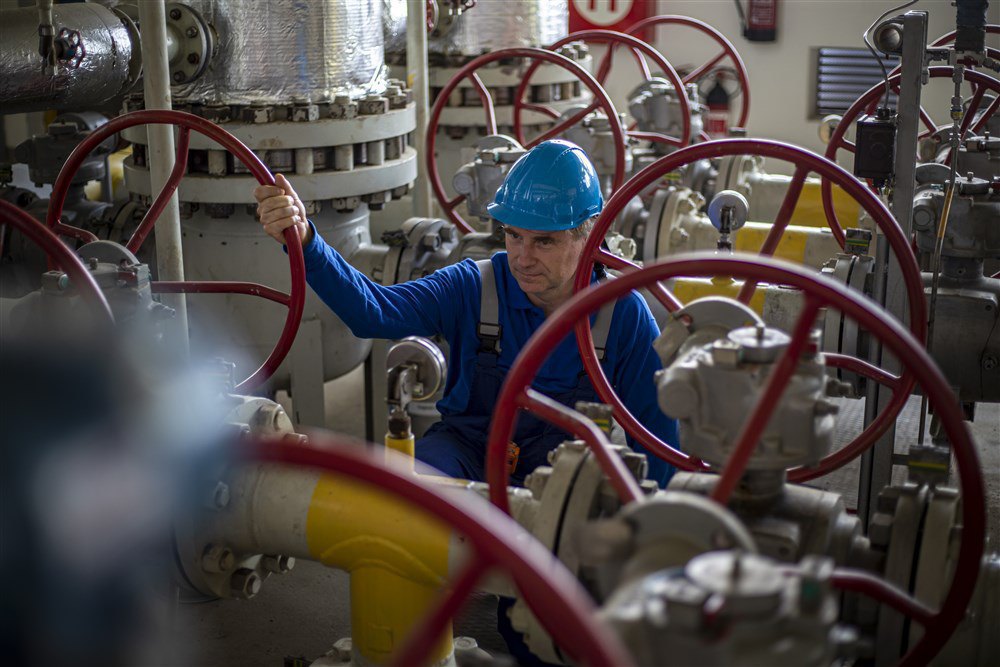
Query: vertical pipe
(876,463)
(416,75)
(156,90)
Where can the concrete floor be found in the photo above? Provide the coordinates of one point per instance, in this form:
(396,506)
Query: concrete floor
(303,613)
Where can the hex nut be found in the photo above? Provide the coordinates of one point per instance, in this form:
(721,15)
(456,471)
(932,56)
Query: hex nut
(278,564)
(244,584)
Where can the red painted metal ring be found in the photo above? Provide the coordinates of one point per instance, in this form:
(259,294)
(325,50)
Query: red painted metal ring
(871,96)
(727,48)
(556,598)
(296,300)
(614,39)
(902,343)
(468,70)
(773,149)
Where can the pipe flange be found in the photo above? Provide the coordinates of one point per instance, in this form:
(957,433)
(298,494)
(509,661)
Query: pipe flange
(190,43)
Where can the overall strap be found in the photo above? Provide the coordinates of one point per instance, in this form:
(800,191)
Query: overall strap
(488,329)
(601,328)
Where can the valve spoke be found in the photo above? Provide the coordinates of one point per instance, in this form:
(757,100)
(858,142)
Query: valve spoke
(778,380)
(219,287)
(694,74)
(543,109)
(655,137)
(558,129)
(987,114)
(777,230)
(573,422)
(487,101)
(861,367)
(662,294)
(160,203)
(859,581)
(928,122)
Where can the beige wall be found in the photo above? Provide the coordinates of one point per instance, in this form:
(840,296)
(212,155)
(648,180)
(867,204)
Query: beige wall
(780,75)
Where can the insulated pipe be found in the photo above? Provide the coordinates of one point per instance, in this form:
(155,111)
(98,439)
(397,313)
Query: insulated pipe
(417,79)
(156,91)
(108,69)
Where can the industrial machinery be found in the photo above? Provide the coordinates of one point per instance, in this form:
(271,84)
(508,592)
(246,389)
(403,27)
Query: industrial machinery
(736,563)
(774,415)
(941,182)
(464,30)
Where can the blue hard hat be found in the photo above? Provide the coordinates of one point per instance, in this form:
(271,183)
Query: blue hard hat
(550,188)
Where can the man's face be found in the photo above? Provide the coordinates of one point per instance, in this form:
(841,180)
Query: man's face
(543,263)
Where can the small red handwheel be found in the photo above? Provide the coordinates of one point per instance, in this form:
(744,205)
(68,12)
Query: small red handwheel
(295,301)
(614,39)
(469,71)
(728,51)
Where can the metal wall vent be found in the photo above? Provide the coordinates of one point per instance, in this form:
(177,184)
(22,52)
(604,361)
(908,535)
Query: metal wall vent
(842,75)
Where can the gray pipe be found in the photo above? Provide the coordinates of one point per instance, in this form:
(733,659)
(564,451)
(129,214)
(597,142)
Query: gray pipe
(156,91)
(110,67)
(416,64)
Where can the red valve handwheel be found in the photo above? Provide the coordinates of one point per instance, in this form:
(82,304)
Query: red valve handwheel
(295,301)
(469,70)
(728,50)
(498,542)
(819,292)
(613,39)
(55,249)
(870,99)
(805,162)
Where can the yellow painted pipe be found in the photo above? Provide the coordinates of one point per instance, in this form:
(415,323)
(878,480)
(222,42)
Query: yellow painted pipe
(809,209)
(115,162)
(689,289)
(405,446)
(396,555)
(791,247)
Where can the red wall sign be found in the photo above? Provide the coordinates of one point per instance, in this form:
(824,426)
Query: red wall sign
(608,14)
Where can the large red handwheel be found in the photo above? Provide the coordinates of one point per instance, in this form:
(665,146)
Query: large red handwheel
(63,256)
(613,39)
(805,162)
(469,70)
(870,100)
(295,301)
(819,292)
(498,542)
(728,51)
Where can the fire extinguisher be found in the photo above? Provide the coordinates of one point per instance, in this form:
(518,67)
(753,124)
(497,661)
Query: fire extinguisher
(717,101)
(760,22)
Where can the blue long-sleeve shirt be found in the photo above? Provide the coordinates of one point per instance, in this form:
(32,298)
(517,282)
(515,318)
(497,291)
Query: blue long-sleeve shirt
(447,303)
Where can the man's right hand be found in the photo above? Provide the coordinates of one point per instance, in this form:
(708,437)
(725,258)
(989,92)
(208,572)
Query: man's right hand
(279,208)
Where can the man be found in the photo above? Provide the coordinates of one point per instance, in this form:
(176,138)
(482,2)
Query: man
(487,311)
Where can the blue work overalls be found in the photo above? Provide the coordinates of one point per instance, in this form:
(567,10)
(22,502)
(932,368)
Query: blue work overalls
(456,445)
